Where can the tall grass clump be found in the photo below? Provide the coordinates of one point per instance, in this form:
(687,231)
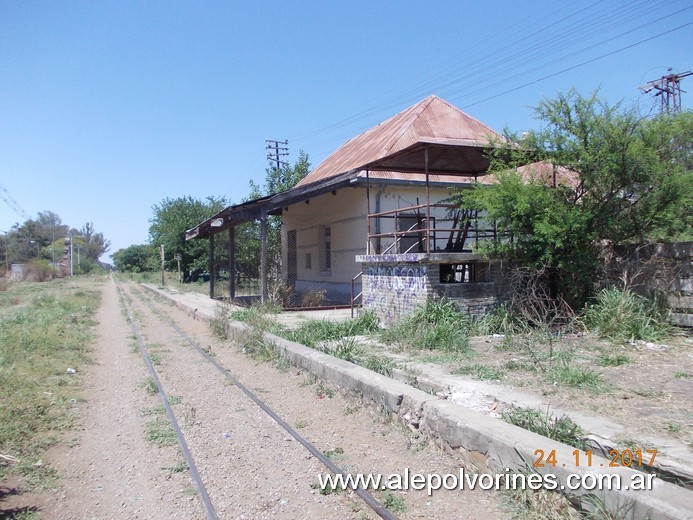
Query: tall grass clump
(313,332)
(501,320)
(437,325)
(622,315)
(259,316)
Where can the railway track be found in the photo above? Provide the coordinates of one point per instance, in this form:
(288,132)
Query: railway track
(198,472)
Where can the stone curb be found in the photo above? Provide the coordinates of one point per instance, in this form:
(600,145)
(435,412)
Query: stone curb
(489,445)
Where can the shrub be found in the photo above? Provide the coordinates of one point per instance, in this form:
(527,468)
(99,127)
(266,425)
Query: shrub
(622,315)
(313,299)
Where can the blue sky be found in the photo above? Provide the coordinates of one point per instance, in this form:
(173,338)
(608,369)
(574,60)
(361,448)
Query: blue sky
(108,107)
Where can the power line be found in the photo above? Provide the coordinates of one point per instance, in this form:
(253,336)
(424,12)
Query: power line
(564,33)
(579,65)
(13,204)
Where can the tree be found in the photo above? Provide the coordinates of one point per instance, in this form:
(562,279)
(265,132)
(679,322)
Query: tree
(136,259)
(248,234)
(92,245)
(32,239)
(172,217)
(632,183)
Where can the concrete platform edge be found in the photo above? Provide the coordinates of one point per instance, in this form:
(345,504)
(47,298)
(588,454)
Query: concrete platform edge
(487,444)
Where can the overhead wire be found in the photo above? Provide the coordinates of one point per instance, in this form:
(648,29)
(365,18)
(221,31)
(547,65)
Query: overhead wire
(580,64)
(579,51)
(583,24)
(493,57)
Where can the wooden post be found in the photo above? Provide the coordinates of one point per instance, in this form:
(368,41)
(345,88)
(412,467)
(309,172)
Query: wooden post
(162,264)
(211,265)
(232,263)
(368,212)
(263,258)
(428,203)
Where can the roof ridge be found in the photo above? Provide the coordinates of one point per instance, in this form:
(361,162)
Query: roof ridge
(417,109)
(465,114)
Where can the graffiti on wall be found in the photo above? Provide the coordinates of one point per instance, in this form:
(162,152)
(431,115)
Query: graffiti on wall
(393,291)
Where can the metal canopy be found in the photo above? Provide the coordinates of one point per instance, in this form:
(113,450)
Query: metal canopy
(228,217)
(444,158)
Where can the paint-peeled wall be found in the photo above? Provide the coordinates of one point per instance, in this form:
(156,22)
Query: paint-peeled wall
(329,231)
(394,285)
(393,290)
(344,212)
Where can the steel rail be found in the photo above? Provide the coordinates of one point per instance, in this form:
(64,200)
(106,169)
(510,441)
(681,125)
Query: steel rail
(369,499)
(201,490)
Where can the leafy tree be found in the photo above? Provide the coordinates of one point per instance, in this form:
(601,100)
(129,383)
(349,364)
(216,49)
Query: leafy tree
(632,183)
(172,217)
(31,239)
(248,235)
(136,259)
(92,244)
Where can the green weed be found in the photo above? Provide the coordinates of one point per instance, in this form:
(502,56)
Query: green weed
(178,468)
(575,377)
(160,433)
(345,348)
(482,372)
(149,386)
(323,390)
(334,454)
(393,502)
(561,429)
(612,360)
(380,364)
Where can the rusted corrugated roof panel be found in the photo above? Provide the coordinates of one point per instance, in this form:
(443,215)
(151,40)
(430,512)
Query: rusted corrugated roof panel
(543,172)
(397,143)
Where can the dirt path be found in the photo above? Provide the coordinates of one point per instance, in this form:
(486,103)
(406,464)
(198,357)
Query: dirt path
(110,470)
(251,467)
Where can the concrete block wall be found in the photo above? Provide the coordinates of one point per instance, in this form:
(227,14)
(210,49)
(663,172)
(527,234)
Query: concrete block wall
(394,285)
(664,270)
(394,290)
(476,298)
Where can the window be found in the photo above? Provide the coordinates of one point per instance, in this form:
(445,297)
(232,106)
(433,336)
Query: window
(309,262)
(325,249)
(465,273)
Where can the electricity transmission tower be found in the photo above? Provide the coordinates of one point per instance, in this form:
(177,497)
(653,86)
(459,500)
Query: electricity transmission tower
(668,88)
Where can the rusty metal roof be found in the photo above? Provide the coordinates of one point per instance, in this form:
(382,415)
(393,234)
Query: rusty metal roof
(393,152)
(455,142)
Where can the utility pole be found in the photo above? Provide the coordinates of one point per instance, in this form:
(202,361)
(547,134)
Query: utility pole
(275,152)
(178,258)
(72,251)
(668,88)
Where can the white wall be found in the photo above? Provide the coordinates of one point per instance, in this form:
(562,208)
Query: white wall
(345,212)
